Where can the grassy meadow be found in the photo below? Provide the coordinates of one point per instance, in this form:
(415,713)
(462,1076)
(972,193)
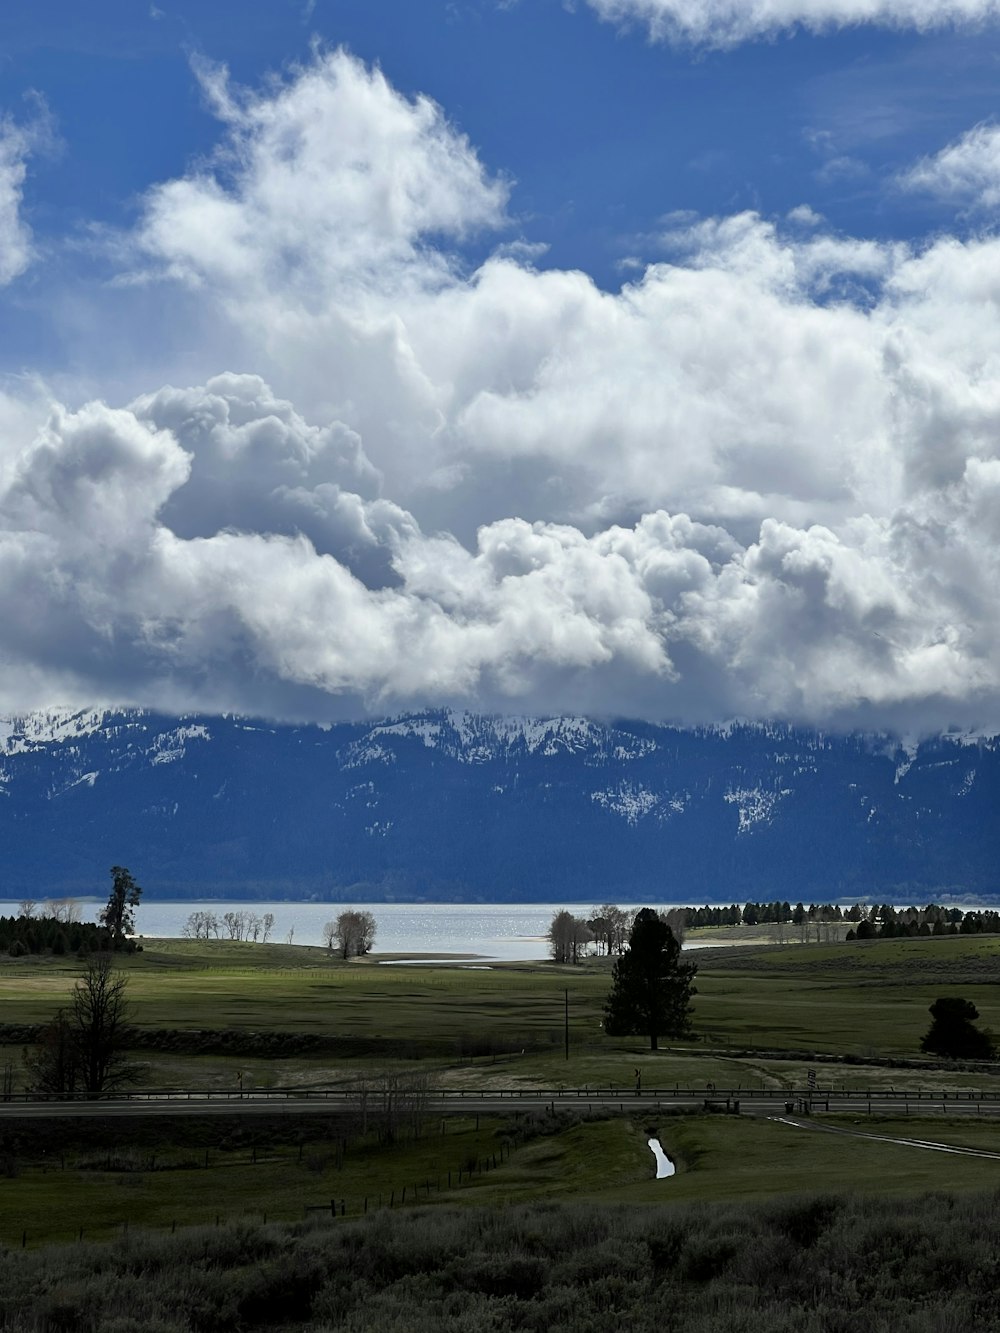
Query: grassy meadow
(859,999)
(863,999)
(763,1016)
(69,1186)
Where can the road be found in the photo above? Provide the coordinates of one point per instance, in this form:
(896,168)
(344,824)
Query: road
(509,1101)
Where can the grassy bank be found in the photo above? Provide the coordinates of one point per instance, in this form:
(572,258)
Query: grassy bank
(60,1183)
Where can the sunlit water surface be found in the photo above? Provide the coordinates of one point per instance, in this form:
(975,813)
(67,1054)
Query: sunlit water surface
(502,932)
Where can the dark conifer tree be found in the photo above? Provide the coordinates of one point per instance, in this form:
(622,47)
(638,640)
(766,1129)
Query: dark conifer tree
(118,917)
(953,1032)
(651,988)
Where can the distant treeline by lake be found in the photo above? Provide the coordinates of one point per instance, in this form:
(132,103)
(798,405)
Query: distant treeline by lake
(496,931)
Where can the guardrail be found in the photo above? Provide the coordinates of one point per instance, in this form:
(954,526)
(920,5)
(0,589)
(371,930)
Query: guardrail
(355,1096)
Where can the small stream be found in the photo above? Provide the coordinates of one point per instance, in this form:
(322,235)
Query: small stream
(664,1166)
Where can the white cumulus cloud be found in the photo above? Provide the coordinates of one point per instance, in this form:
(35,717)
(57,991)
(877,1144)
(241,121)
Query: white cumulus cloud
(761,479)
(965,172)
(727,22)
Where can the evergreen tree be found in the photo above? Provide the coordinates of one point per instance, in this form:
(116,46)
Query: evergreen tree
(651,988)
(953,1033)
(118,917)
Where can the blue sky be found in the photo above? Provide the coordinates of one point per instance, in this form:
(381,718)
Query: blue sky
(602,130)
(623,356)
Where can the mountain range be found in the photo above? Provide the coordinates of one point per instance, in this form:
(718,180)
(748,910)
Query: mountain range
(449,806)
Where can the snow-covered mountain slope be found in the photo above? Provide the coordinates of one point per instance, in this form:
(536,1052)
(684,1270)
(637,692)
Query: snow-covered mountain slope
(452,805)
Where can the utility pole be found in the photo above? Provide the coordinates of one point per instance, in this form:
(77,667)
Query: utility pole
(567,1023)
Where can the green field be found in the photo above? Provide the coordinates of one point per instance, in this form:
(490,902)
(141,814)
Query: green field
(859,998)
(58,1192)
(863,1000)
(763,1016)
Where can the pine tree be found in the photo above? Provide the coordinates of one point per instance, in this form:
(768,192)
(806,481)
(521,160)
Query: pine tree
(118,917)
(651,988)
(953,1033)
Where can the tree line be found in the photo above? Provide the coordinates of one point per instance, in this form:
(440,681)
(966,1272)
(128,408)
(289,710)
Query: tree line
(350,934)
(241,925)
(55,926)
(606,931)
(886,922)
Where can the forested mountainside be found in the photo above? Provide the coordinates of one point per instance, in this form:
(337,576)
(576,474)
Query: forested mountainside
(445,805)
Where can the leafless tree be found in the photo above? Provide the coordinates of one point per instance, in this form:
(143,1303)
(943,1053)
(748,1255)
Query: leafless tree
(236,925)
(52,1068)
(201,925)
(82,1051)
(27,907)
(355,933)
(569,936)
(392,1102)
(65,910)
(267,925)
(610,926)
(676,919)
(99,1013)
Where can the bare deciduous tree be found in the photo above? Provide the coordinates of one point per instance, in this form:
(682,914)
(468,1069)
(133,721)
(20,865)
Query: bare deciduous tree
(53,1066)
(99,1013)
(82,1051)
(569,936)
(354,933)
(65,910)
(392,1102)
(201,925)
(610,926)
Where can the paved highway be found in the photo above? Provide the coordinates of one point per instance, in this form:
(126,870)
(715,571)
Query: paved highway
(509,1101)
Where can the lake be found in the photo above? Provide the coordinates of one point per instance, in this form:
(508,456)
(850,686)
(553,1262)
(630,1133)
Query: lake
(494,931)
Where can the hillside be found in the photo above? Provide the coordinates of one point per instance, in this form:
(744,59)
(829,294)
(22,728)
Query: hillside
(448,805)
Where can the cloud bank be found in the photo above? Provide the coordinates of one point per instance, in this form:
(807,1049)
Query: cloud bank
(728,22)
(761,480)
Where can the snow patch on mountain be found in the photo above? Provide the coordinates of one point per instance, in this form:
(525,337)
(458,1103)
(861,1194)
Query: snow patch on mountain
(169,746)
(472,739)
(903,766)
(755,805)
(78,780)
(549,736)
(362,752)
(53,726)
(627,799)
